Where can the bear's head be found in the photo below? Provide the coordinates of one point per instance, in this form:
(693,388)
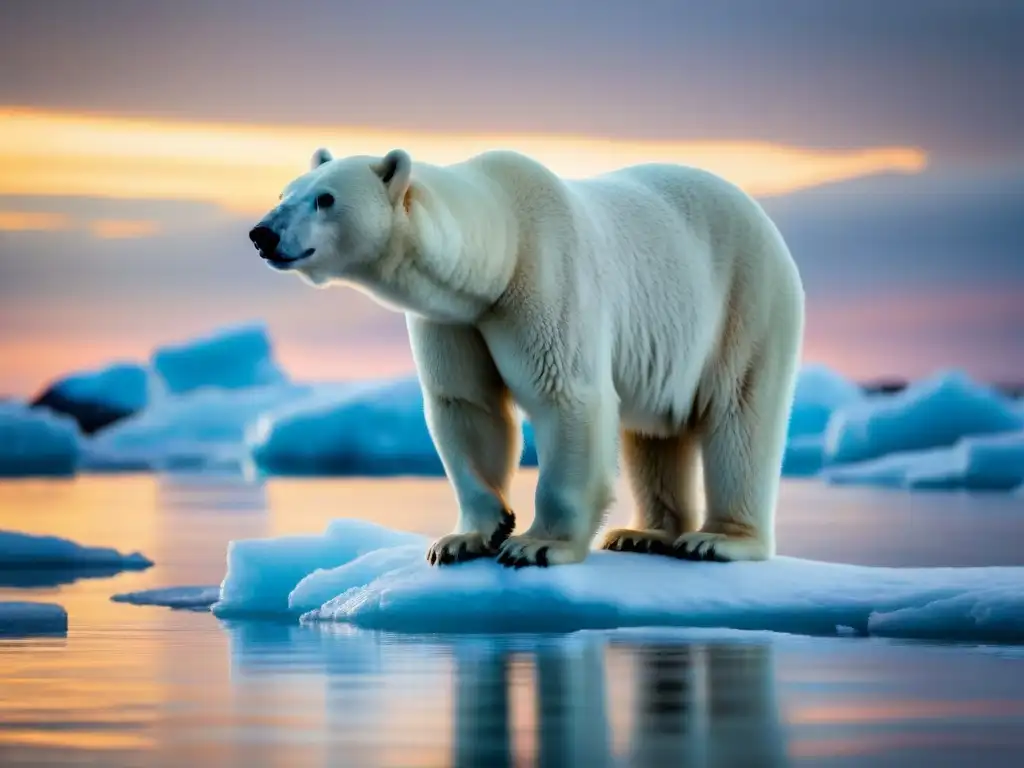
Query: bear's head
(337,218)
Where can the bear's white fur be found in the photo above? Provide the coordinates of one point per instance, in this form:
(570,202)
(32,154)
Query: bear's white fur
(654,309)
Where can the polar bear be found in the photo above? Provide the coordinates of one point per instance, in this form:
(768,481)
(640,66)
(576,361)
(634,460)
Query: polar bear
(653,312)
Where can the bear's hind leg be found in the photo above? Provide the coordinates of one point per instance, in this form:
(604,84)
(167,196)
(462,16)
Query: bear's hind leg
(663,474)
(742,444)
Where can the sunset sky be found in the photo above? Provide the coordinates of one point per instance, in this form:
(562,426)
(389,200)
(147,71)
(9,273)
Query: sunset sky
(139,141)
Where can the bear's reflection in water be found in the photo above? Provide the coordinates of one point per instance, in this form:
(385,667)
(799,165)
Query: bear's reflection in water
(590,699)
(711,704)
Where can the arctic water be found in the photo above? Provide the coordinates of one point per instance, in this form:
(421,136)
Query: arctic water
(143,685)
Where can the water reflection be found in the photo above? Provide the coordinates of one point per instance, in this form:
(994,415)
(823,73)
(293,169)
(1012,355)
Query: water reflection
(568,697)
(508,701)
(137,686)
(49,578)
(210,493)
(707,704)
(481,720)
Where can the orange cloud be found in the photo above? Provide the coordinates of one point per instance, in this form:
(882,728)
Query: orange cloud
(50,221)
(110,229)
(242,168)
(33,221)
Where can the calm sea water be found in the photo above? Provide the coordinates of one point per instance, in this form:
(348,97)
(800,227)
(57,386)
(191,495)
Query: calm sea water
(154,687)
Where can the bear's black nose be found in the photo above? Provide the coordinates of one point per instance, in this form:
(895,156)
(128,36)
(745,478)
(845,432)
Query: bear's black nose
(265,239)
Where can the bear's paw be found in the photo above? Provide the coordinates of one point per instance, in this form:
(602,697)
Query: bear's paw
(644,542)
(520,551)
(719,547)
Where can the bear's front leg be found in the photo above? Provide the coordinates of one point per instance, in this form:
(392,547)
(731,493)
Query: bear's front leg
(476,431)
(576,446)
(480,448)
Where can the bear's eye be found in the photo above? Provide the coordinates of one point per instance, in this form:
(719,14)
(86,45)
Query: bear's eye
(324,201)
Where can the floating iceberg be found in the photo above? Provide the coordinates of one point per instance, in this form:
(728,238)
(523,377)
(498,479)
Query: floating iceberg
(370,429)
(372,577)
(24,550)
(202,430)
(887,471)
(32,619)
(378,428)
(981,463)
(36,442)
(820,392)
(220,402)
(230,358)
(262,572)
(932,413)
(803,456)
(96,399)
(190,598)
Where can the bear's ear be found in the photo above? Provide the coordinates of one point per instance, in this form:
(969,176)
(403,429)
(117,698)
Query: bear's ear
(395,170)
(320,157)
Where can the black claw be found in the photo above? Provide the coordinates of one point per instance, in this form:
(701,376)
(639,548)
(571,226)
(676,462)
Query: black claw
(542,557)
(685,554)
(714,556)
(463,549)
(659,548)
(503,531)
(627,545)
(447,557)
